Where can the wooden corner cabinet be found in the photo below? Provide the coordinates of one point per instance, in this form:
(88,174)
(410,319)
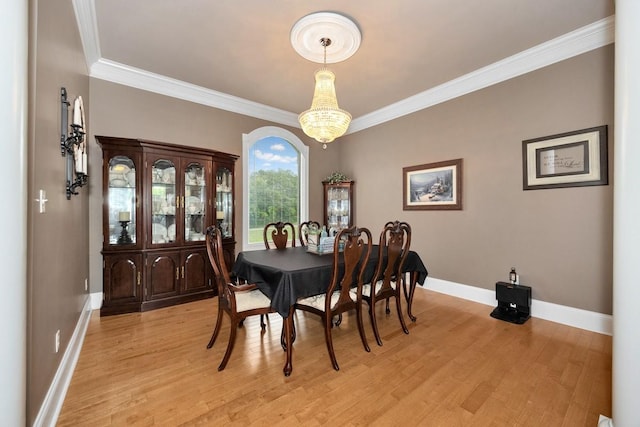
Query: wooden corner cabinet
(338,204)
(158,200)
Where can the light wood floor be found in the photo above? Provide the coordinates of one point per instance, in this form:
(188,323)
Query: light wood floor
(457,367)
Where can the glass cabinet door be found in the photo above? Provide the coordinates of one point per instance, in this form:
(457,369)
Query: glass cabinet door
(224,201)
(121,199)
(163,202)
(338,209)
(338,205)
(195,202)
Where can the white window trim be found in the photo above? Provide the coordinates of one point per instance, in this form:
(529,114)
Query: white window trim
(247,141)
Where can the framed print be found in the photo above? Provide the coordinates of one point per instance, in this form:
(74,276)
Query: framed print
(434,186)
(572,159)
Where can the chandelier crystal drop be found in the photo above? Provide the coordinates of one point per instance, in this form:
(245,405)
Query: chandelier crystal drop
(324,121)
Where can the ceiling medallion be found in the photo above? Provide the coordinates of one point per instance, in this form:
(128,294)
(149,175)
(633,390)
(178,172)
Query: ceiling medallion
(343,32)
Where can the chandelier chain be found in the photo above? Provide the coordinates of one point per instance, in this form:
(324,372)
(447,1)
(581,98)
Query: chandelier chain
(325,41)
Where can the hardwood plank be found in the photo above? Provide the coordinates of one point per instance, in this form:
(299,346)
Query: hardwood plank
(457,366)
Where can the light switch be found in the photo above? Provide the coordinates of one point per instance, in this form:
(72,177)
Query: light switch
(41,201)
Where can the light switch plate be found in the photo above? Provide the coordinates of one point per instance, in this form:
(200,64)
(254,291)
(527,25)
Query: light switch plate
(42,200)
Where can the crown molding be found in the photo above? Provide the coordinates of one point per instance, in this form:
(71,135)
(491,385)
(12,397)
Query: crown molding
(85,11)
(134,77)
(584,39)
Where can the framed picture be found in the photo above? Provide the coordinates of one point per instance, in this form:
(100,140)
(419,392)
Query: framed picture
(572,159)
(434,186)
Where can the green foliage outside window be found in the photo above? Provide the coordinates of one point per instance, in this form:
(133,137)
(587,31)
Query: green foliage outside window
(276,197)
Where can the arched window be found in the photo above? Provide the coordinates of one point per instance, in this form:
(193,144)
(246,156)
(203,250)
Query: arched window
(275,179)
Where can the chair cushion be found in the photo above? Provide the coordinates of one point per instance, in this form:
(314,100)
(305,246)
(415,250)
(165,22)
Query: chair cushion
(250,300)
(366,289)
(317,301)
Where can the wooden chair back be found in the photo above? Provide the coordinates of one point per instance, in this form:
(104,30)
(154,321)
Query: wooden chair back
(396,238)
(213,236)
(303,231)
(348,268)
(394,244)
(280,233)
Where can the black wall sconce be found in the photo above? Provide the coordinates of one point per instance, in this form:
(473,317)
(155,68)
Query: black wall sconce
(73,145)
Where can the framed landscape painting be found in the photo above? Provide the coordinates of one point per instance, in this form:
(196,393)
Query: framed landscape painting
(433,186)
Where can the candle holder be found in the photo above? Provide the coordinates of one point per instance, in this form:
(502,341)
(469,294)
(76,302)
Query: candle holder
(69,143)
(80,180)
(124,238)
(220,219)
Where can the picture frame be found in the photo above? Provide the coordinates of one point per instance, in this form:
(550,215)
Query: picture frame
(433,186)
(571,159)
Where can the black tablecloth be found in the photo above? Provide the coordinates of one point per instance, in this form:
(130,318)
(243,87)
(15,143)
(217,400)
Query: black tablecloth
(293,273)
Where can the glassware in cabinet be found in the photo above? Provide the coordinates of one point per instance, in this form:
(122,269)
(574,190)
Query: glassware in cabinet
(195,202)
(121,201)
(338,204)
(224,200)
(163,201)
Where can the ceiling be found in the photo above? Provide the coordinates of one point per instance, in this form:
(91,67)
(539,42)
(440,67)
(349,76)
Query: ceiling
(414,53)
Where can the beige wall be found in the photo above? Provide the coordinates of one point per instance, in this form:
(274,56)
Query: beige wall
(560,240)
(57,258)
(122,111)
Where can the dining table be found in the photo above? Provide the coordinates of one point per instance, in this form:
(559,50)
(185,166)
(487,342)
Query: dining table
(286,275)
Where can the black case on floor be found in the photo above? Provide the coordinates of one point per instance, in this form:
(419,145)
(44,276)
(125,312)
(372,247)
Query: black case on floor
(514,303)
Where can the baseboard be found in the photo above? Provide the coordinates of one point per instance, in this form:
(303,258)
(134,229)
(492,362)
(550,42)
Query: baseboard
(604,421)
(50,409)
(96,300)
(583,319)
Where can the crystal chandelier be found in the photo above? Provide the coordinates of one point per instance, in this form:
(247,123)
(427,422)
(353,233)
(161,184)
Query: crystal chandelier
(324,121)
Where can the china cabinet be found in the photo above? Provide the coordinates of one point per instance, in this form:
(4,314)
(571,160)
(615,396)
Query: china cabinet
(338,204)
(158,200)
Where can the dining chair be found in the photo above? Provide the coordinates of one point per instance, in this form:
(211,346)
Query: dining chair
(303,231)
(280,232)
(347,273)
(395,240)
(280,237)
(239,301)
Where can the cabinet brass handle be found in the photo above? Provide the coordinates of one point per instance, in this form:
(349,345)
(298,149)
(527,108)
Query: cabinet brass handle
(183,271)
(138,278)
(177,273)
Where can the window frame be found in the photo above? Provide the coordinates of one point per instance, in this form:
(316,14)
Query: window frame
(247,142)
